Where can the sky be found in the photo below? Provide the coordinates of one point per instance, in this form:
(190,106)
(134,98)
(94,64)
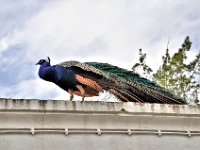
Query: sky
(109,31)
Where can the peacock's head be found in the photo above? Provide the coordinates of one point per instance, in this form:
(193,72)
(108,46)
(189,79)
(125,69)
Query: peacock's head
(41,61)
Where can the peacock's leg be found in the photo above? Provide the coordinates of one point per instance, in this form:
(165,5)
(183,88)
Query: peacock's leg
(80,88)
(70,91)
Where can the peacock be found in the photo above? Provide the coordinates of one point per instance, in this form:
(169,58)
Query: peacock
(91,78)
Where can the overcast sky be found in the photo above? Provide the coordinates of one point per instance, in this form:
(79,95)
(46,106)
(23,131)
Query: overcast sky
(109,31)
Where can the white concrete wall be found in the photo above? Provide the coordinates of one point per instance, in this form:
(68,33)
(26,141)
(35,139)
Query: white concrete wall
(60,125)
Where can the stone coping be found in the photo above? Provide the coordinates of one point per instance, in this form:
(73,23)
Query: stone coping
(61,106)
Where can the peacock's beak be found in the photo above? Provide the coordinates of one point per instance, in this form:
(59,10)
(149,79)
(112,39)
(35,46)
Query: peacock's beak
(38,63)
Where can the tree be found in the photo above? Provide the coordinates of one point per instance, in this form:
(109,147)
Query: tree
(176,75)
(194,72)
(141,67)
(163,73)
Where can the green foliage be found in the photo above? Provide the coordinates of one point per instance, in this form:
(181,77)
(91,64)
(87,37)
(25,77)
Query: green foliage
(176,75)
(146,70)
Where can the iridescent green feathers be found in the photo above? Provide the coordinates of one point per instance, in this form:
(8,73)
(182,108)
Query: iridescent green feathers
(124,84)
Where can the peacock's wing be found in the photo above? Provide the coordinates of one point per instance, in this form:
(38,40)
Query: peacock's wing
(82,66)
(124,84)
(86,75)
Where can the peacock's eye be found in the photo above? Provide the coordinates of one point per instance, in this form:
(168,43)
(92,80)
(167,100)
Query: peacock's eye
(42,61)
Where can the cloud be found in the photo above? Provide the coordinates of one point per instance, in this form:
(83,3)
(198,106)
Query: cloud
(116,29)
(32,88)
(90,30)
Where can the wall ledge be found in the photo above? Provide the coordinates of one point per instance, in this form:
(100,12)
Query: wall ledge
(61,106)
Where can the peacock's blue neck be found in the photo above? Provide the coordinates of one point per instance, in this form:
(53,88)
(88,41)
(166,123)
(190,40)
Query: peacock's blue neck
(60,75)
(46,72)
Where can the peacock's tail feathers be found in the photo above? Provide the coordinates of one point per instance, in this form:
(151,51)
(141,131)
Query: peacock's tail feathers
(124,84)
(143,85)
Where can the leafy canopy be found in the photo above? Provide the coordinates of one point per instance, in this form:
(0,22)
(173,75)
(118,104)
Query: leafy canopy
(175,74)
